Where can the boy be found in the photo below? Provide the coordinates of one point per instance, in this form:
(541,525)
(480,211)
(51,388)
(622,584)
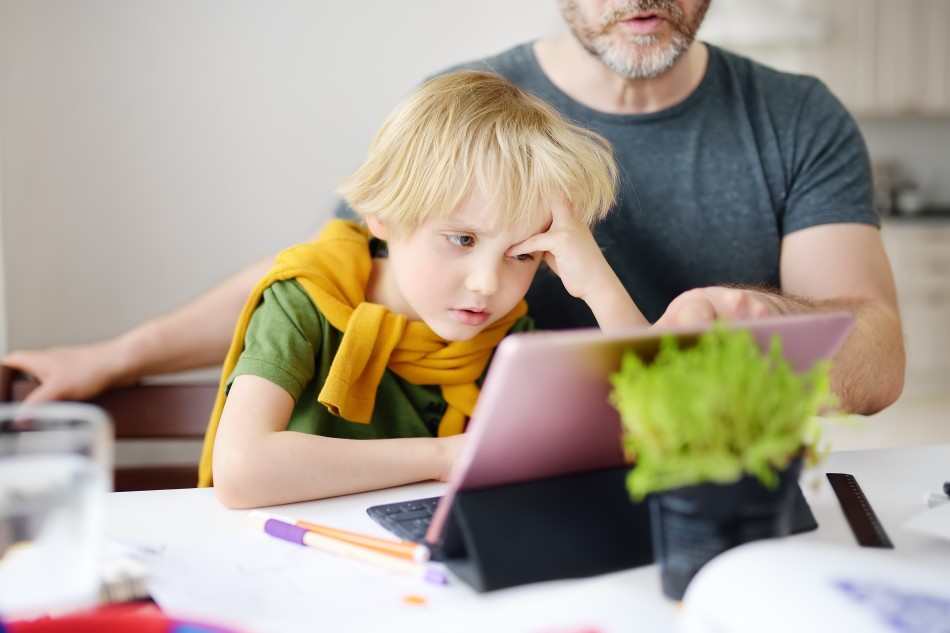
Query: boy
(356,360)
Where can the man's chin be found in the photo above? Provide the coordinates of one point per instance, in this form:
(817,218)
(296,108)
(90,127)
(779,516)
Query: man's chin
(645,57)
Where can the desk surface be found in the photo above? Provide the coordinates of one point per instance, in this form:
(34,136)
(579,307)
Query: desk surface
(894,481)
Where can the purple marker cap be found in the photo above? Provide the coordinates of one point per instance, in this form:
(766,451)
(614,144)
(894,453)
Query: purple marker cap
(435,577)
(285,531)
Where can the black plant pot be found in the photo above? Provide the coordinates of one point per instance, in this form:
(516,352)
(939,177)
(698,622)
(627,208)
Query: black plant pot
(693,524)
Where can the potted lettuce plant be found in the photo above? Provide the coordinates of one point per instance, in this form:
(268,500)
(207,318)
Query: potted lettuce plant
(718,431)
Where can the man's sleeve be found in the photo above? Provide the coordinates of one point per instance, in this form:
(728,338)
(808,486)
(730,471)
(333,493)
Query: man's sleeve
(830,168)
(344,211)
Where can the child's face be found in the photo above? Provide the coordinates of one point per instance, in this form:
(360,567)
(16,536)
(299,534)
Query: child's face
(454,273)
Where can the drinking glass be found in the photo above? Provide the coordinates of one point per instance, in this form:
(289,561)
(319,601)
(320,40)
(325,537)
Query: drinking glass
(55,466)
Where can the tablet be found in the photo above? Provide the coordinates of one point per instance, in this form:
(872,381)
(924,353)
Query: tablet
(544,410)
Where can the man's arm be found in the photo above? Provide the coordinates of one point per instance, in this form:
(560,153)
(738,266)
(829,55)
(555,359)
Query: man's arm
(826,267)
(197,334)
(844,266)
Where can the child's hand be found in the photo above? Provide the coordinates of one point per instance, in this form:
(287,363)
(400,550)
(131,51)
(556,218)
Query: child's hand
(571,252)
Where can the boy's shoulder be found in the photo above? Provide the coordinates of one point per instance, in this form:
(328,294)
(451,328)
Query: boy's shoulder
(289,298)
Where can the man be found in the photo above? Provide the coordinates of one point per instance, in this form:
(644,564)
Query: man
(736,181)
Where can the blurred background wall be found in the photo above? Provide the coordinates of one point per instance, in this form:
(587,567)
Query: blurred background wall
(150,148)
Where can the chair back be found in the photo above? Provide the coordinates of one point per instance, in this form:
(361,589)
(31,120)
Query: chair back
(151,412)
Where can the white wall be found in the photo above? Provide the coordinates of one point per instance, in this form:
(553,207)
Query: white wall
(152,147)
(148,148)
(3,292)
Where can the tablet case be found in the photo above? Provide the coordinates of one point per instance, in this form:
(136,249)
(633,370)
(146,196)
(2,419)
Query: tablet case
(539,491)
(572,526)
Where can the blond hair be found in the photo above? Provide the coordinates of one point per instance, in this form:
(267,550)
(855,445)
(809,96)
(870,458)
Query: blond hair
(473,129)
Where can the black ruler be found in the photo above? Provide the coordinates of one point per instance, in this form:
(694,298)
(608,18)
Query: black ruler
(864,523)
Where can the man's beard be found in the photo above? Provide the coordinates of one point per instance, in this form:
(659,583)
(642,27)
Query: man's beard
(649,58)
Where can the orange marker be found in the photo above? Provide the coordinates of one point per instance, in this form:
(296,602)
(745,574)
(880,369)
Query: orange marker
(402,549)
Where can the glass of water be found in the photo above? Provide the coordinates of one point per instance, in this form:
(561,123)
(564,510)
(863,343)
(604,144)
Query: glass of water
(55,466)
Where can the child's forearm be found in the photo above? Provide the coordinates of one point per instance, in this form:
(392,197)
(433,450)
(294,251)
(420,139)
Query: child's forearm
(612,305)
(286,467)
(256,462)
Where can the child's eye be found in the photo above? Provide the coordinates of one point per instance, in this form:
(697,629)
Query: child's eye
(525,257)
(461,240)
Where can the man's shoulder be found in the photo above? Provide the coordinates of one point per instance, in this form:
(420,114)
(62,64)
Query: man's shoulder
(773,81)
(782,92)
(746,67)
(517,64)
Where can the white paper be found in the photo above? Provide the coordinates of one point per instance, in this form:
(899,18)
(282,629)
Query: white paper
(932,522)
(255,582)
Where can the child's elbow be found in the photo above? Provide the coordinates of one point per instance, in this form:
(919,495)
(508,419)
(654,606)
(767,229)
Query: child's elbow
(234,480)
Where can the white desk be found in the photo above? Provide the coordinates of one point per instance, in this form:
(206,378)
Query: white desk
(894,481)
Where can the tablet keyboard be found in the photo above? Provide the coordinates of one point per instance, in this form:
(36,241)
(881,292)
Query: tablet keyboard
(408,520)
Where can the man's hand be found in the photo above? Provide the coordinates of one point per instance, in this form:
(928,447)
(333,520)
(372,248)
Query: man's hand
(64,373)
(702,305)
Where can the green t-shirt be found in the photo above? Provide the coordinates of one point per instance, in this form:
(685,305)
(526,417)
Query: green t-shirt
(290,343)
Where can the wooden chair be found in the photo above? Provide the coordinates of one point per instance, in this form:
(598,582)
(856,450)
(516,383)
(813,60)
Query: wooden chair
(142,412)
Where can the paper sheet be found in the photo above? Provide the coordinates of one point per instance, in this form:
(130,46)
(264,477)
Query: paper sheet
(257,584)
(932,522)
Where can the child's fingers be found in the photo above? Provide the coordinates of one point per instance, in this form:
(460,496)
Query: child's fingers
(553,239)
(547,240)
(535,244)
(561,216)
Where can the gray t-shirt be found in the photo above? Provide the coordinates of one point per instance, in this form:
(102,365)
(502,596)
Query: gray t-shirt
(709,186)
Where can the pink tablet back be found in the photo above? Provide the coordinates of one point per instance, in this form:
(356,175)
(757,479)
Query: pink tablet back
(544,410)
